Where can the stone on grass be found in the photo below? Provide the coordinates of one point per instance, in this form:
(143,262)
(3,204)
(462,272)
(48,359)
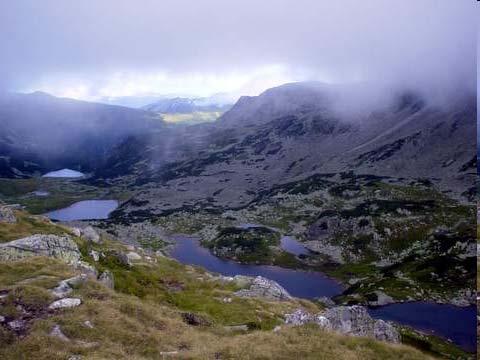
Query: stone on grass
(65,303)
(57,332)
(90,234)
(107,279)
(133,256)
(264,288)
(58,247)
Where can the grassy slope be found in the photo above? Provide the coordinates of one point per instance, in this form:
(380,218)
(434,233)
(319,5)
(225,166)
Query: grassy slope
(142,317)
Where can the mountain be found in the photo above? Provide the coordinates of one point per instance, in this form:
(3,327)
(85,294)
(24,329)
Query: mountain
(296,130)
(376,193)
(41,132)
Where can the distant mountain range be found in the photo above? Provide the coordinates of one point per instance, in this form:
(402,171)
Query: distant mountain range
(287,132)
(41,132)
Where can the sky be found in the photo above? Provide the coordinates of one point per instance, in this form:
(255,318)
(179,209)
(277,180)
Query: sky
(93,49)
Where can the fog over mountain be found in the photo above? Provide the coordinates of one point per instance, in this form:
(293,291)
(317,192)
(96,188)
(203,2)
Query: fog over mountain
(93,49)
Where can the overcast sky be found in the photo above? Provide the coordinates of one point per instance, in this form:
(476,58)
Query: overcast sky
(93,48)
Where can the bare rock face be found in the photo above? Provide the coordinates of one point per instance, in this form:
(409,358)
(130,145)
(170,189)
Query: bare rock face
(265,288)
(7,215)
(58,247)
(348,320)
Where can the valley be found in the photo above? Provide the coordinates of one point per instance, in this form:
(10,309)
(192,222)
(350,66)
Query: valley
(336,210)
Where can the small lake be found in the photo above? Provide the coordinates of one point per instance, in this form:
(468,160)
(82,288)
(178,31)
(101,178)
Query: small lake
(459,324)
(306,284)
(64,173)
(85,210)
(450,322)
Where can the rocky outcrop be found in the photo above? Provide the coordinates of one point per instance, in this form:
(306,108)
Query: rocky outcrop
(261,287)
(59,247)
(348,320)
(7,215)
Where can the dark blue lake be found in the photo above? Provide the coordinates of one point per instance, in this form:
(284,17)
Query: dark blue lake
(85,210)
(450,322)
(306,284)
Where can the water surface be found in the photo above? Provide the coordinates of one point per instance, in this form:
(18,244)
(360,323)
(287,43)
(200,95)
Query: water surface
(450,322)
(64,173)
(306,284)
(457,324)
(85,210)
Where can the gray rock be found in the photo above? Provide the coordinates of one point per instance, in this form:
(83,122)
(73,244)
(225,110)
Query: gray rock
(65,287)
(265,288)
(90,234)
(59,247)
(348,320)
(106,278)
(2,319)
(133,256)
(355,320)
(298,317)
(326,301)
(17,325)
(7,215)
(382,299)
(76,231)
(86,268)
(236,328)
(57,332)
(95,255)
(88,324)
(65,303)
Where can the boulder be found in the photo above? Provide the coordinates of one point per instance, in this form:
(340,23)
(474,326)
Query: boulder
(326,301)
(264,288)
(59,247)
(382,299)
(17,325)
(65,287)
(106,278)
(7,215)
(348,320)
(355,320)
(75,231)
(65,303)
(195,319)
(90,234)
(133,256)
(95,255)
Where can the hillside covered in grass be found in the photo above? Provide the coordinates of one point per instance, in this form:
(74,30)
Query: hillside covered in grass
(134,304)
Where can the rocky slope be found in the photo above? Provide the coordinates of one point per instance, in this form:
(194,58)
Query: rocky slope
(383,196)
(130,303)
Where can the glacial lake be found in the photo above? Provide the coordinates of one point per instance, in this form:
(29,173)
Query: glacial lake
(64,173)
(450,322)
(459,324)
(305,284)
(85,210)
